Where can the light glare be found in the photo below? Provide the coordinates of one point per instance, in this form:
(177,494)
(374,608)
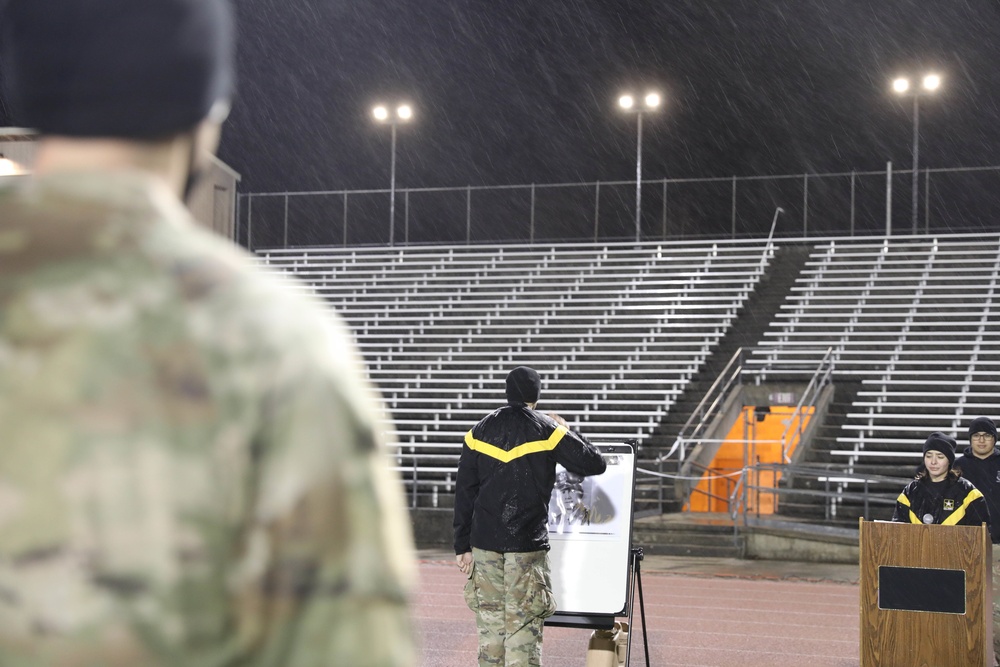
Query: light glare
(626,102)
(652,100)
(8,167)
(380,113)
(901,85)
(932,82)
(404,112)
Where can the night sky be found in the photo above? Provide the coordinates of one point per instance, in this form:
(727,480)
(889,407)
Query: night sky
(519,92)
(515,92)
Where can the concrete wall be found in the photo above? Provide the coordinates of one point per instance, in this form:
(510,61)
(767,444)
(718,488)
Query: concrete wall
(767,545)
(432,528)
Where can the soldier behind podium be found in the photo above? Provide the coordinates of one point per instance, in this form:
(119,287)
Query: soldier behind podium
(191,471)
(505,478)
(938,494)
(980,464)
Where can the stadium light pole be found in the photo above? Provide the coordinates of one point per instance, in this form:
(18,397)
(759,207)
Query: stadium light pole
(650,102)
(901,86)
(402,114)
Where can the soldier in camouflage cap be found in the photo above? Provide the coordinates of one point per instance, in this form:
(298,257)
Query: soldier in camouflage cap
(192,473)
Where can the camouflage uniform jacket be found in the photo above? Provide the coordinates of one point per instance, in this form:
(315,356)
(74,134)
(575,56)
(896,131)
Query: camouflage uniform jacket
(190,471)
(505,478)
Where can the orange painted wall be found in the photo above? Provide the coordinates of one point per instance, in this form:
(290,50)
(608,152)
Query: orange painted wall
(712,493)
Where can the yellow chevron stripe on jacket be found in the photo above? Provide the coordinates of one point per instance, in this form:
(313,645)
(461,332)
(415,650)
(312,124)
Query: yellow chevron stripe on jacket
(957,514)
(903,500)
(505,456)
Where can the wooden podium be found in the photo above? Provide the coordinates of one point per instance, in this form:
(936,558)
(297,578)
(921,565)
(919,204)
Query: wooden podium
(926,595)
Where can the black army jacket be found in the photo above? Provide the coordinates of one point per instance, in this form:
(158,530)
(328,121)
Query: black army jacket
(505,478)
(954,502)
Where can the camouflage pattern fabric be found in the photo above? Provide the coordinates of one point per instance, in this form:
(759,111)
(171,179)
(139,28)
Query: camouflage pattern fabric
(191,472)
(511,594)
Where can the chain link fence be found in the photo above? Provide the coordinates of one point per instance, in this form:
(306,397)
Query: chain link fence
(856,203)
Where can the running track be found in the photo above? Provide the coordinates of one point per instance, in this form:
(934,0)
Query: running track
(694,620)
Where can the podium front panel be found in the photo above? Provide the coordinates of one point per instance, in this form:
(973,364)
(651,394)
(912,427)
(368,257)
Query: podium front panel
(946,616)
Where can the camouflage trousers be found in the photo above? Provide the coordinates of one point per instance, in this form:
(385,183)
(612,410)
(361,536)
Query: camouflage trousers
(511,594)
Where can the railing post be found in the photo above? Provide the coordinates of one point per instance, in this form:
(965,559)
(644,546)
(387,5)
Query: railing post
(927,201)
(345,218)
(888,198)
(664,209)
(852,202)
(415,482)
(406,217)
(805,205)
(468,214)
(733,222)
(659,491)
(284,242)
(531,226)
(250,224)
(597,208)
(236,227)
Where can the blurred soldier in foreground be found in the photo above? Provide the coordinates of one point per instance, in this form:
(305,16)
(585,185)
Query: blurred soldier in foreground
(505,477)
(191,474)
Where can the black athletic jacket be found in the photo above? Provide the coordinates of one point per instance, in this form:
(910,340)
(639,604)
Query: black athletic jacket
(954,502)
(505,478)
(985,474)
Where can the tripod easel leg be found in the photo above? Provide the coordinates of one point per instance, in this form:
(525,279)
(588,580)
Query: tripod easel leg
(636,583)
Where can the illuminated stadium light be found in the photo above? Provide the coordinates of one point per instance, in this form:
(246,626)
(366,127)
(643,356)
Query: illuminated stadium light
(929,83)
(404,113)
(651,101)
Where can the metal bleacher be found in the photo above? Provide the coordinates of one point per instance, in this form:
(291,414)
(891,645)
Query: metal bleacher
(915,321)
(616,331)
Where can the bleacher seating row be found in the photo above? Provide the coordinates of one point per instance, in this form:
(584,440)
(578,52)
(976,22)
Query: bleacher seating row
(618,331)
(916,322)
(615,331)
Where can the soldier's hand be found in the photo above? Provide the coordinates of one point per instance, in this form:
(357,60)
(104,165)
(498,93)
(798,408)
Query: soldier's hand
(464,562)
(559,420)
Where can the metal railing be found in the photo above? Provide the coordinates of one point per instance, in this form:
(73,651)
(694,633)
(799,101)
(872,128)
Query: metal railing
(830,204)
(867,499)
(820,379)
(711,406)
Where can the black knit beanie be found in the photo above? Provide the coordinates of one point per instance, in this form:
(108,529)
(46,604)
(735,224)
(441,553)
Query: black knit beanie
(134,69)
(523,385)
(942,443)
(983,425)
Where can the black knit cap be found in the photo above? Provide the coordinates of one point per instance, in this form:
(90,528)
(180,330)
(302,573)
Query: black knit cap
(135,69)
(523,385)
(983,425)
(940,442)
